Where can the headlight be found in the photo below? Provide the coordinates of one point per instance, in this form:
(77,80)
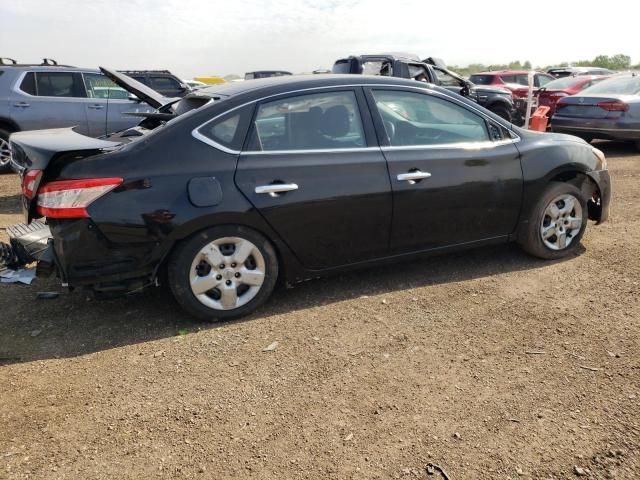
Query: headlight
(600,155)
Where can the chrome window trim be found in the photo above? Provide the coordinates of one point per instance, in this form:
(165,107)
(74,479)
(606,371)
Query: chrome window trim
(199,136)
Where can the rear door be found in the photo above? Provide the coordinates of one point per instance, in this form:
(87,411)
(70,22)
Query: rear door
(50,99)
(313,169)
(455,175)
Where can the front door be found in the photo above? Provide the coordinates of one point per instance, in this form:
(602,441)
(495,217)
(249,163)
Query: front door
(317,179)
(455,175)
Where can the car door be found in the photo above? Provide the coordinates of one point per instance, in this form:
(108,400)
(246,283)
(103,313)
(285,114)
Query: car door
(313,169)
(107,106)
(49,99)
(455,175)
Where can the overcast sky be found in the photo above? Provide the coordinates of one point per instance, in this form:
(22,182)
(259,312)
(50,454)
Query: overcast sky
(209,37)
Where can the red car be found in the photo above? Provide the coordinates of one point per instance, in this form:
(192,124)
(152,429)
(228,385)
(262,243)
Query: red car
(549,95)
(515,80)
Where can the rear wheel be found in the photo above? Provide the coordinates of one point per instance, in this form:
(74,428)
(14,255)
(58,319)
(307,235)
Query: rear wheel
(5,153)
(223,272)
(557,222)
(501,111)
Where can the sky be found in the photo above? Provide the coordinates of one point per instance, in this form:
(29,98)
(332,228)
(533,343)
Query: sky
(214,37)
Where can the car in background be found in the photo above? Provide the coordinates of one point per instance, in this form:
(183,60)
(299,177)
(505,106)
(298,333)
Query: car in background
(162,81)
(561,72)
(265,74)
(609,110)
(517,81)
(294,178)
(194,84)
(48,95)
(431,70)
(549,95)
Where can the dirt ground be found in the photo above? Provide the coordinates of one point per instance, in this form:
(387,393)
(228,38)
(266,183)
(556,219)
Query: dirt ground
(490,364)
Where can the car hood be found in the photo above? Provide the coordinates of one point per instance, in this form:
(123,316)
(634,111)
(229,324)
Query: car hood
(140,90)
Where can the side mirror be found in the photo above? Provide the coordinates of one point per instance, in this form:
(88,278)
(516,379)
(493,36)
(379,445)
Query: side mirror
(133,98)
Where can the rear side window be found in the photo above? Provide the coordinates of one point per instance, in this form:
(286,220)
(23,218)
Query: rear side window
(28,84)
(230,129)
(164,83)
(319,121)
(59,84)
(411,118)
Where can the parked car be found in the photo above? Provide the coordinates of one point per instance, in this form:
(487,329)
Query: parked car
(265,74)
(162,81)
(497,100)
(194,84)
(549,95)
(517,81)
(561,72)
(293,178)
(609,110)
(49,95)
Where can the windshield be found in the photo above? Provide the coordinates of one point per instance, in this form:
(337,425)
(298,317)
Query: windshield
(481,79)
(621,86)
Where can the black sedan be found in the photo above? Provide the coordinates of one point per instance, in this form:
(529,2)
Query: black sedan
(292,178)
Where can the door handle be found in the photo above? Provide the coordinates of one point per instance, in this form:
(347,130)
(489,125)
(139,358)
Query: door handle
(275,188)
(413,176)
(96,107)
(21,104)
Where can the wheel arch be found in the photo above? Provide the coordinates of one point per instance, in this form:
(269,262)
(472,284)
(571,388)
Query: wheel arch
(9,125)
(287,264)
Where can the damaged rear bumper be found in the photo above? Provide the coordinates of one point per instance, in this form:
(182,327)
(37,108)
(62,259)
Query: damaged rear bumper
(82,256)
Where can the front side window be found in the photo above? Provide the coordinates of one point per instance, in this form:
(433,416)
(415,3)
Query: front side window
(99,86)
(412,118)
(59,84)
(446,80)
(542,80)
(318,121)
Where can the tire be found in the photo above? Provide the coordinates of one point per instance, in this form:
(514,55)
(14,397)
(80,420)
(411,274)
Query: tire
(544,221)
(501,111)
(5,164)
(238,288)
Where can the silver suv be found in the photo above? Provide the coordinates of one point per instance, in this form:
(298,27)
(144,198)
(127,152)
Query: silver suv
(34,97)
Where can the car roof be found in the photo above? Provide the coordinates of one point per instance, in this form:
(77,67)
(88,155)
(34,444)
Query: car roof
(294,82)
(46,68)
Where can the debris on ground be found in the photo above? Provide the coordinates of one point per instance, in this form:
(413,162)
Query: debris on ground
(22,275)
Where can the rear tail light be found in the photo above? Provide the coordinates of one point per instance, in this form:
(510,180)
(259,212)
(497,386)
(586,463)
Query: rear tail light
(557,96)
(614,106)
(70,198)
(30,182)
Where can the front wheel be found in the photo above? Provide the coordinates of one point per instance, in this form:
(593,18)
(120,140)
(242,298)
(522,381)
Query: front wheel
(501,111)
(557,222)
(223,273)
(5,152)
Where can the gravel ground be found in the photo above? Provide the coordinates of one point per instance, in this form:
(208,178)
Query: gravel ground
(491,364)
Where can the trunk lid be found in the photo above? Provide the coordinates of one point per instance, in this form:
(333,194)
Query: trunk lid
(140,90)
(586,106)
(33,151)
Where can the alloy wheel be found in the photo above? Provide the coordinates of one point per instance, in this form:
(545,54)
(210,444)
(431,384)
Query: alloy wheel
(227,273)
(5,152)
(561,222)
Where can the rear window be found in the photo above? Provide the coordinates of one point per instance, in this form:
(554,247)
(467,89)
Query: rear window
(560,84)
(621,86)
(481,79)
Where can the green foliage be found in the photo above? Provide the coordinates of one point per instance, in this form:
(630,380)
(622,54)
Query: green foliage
(615,62)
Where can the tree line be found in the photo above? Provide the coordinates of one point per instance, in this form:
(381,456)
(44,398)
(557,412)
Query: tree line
(614,62)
